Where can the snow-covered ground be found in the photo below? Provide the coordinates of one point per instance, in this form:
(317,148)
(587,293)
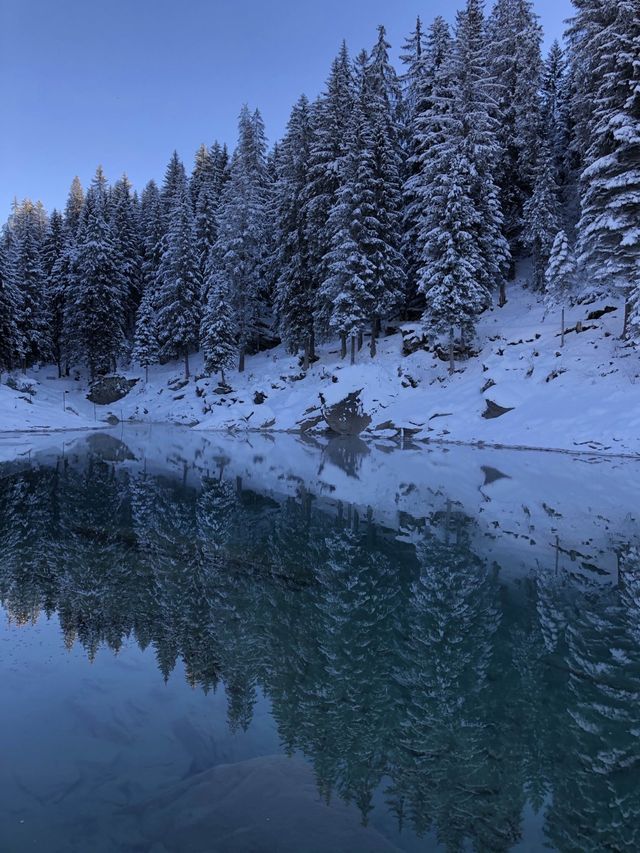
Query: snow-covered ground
(583,396)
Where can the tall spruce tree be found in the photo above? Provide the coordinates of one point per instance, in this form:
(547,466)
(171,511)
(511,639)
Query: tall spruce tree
(382,105)
(8,311)
(217,332)
(95,304)
(26,270)
(514,63)
(416,194)
(541,216)
(125,225)
(295,292)
(348,285)
(53,253)
(177,297)
(332,114)
(240,247)
(145,346)
(608,230)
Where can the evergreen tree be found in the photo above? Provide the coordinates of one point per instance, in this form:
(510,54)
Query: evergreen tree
(348,286)
(382,99)
(555,118)
(540,216)
(125,226)
(177,297)
(515,63)
(413,58)
(475,105)
(151,233)
(145,347)
(175,183)
(53,253)
(73,208)
(29,282)
(217,335)
(8,311)
(332,114)
(96,310)
(421,136)
(295,296)
(240,247)
(560,273)
(608,232)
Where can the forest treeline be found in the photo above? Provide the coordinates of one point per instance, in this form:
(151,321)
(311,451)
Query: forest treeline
(395,193)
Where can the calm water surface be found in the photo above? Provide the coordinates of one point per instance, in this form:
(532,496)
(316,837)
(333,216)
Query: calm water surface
(212,645)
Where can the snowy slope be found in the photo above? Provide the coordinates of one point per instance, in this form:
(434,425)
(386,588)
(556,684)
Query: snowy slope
(583,396)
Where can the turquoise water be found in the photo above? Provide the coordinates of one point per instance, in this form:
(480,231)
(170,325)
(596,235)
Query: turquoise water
(191,660)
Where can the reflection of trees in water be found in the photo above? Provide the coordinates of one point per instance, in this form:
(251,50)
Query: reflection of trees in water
(403,663)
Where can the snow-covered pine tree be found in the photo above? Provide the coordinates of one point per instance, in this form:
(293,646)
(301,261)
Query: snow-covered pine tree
(53,251)
(609,229)
(412,58)
(515,63)
(450,279)
(241,243)
(295,296)
(475,106)
(541,216)
(145,347)
(151,233)
(217,328)
(201,174)
(125,226)
(25,267)
(555,120)
(66,268)
(348,285)
(95,305)
(560,276)
(206,188)
(73,208)
(438,45)
(176,296)
(382,102)
(175,181)
(8,311)
(331,113)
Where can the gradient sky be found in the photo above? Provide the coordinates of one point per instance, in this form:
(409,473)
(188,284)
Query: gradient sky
(124,82)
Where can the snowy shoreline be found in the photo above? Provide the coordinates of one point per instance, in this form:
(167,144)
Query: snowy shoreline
(581,399)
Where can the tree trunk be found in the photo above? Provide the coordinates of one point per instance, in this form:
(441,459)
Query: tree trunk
(241,360)
(502,299)
(312,345)
(222,382)
(59,369)
(452,364)
(562,329)
(373,339)
(359,340)
(305,357)
(343,345)
(627,314)
(186,364)
(353,349)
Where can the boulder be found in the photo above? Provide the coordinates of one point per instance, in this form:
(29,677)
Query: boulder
(347,417)
(110,389)
(494,410)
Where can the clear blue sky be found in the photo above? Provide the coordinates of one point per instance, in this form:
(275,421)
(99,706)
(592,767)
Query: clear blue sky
(124,82)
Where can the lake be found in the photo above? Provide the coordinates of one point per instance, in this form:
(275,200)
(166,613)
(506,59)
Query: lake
(219,643)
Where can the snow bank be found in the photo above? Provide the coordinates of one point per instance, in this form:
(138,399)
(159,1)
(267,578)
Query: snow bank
(583,396)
